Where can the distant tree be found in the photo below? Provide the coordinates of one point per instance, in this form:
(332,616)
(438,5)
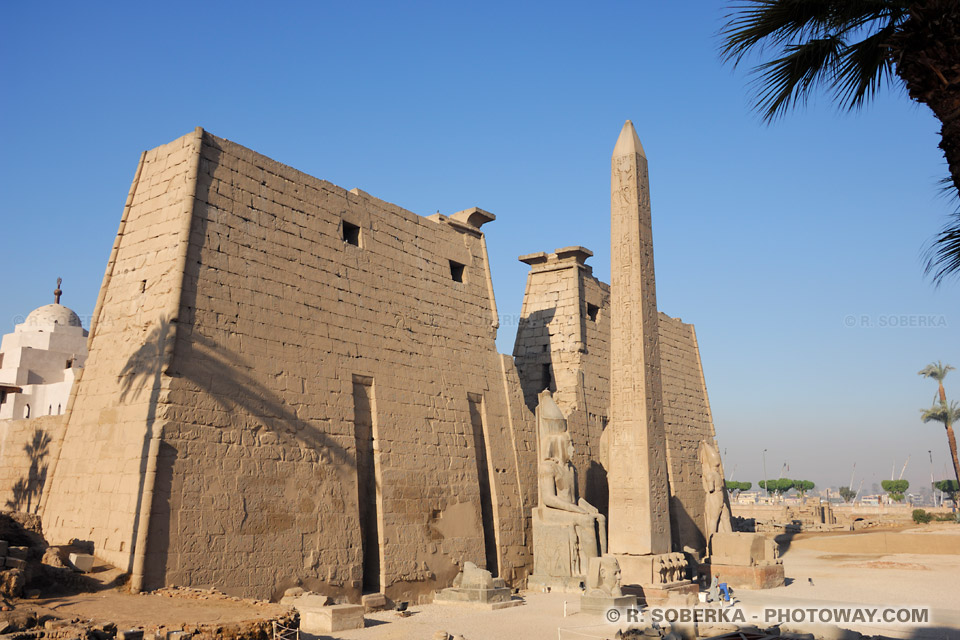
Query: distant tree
(947,414)
(803,486)
(895,489)
(779,486)
(950,487)
(847,494)
(733,485)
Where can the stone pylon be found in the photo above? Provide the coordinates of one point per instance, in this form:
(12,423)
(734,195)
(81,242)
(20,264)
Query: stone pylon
(639,522)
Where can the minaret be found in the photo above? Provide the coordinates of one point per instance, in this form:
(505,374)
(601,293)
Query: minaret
(639,523)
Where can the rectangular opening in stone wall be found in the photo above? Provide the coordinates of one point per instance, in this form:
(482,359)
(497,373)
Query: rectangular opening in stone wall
(351,233)
(483,476)
(368,498)
(546,378)
(456,271)
(592,311)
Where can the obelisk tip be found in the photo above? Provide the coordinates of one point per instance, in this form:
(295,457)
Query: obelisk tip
(628,143)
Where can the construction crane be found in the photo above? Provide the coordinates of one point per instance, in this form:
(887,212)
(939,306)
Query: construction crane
(904,468)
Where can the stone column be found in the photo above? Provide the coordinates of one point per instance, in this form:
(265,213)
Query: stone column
(639,523)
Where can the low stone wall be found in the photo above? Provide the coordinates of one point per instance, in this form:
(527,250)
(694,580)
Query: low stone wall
(27,449)
(884,542)
(810,516)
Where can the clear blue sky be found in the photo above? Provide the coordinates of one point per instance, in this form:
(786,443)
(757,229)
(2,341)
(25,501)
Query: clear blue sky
(767,237)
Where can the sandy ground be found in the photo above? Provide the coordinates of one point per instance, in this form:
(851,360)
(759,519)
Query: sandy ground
(129,611)
(814,579)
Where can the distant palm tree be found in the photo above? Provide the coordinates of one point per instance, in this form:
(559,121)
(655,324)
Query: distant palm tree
(937,371)
(851,48)
(947,415)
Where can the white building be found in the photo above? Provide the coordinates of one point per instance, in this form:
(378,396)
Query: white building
(38,362)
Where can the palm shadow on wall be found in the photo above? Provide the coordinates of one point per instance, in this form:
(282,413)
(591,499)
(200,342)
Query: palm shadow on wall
(26,490)
(224,377)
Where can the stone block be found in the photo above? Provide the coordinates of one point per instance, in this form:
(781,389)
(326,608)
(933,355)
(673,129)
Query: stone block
(18,552)
(599,605)
(325,620)
(82,561)
(15,563)
(373,602)
(130,634)
(484,596)
(4,545)
(563,584)
(742,549)
(676,594)
(767,576)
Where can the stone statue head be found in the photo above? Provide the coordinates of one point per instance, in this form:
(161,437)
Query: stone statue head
(551,421)
(708,455)
(603,577)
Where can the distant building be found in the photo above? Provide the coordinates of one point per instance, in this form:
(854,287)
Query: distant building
(38,362)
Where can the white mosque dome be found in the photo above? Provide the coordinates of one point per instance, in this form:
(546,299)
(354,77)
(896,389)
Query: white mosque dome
(53,314)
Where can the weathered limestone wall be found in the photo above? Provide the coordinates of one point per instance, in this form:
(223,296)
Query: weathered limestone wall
(688,421)
(556,329)
(556,343)
(27,448)
(251,389)
(96,483)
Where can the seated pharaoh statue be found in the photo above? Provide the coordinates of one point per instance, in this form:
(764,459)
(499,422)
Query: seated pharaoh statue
(567,531)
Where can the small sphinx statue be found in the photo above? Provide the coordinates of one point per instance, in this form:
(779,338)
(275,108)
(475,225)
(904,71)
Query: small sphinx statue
(568,531)
(474,584)
(473,577)
(716,511)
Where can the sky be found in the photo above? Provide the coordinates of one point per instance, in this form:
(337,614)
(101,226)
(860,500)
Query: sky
(794,248)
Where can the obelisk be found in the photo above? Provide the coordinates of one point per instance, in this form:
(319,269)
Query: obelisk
(639,523)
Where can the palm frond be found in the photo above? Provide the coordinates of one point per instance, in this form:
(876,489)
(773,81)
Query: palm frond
(941,413)
(840,43)
(943,252)
(936,370)
(754,25)
(863,68)
(783,82)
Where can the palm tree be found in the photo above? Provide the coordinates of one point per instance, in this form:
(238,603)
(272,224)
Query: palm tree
(851,48)
(942,412)
(947,415)
(938,371)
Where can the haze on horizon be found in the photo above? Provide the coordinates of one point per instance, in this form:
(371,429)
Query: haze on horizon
(793,248)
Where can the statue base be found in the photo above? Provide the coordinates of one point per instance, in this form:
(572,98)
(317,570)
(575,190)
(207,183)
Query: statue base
(599,605)
(657,578)
(561,584)
(682,593)
(756,577)
(497,598)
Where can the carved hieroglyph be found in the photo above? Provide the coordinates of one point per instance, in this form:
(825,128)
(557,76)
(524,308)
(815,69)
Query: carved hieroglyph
(637,478)
(567,531)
